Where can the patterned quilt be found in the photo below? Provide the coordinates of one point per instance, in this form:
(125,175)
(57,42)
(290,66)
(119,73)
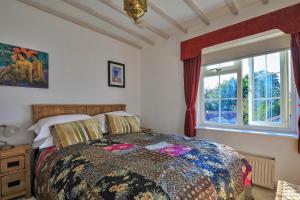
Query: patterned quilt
(142,166)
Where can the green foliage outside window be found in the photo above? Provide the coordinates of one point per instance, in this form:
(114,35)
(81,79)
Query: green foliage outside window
(228,89)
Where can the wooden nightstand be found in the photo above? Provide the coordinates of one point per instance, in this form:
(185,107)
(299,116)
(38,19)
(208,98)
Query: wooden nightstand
(15,172)
(146,130)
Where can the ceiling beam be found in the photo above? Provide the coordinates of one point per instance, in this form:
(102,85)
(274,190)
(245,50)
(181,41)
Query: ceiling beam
(232,6)
(114,6)
(141,21)
(155,30)
(108,20)
(265,1)
(195,8)
(79,22)
(164,15)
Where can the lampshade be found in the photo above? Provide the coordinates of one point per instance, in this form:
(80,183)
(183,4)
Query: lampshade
(135,8)
(10,130)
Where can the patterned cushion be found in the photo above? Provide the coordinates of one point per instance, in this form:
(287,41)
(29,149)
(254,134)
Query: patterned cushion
(122,124)
(70,133)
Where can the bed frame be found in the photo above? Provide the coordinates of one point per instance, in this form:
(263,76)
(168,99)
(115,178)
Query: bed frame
(41,111)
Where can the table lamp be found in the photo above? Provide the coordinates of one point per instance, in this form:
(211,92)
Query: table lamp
(8,131)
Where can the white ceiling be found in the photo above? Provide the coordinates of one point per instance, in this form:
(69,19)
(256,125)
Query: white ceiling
(178,10)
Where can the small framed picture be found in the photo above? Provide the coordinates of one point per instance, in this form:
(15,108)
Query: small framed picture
(116,74)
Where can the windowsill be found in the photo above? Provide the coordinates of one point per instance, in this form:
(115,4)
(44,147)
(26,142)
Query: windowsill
(244,131)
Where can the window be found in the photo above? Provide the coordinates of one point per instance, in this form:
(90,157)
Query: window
(253,92)
(220,98)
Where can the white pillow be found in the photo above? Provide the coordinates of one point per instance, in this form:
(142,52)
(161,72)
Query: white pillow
(43,143)
(102,120)
(42,127)
(49,142)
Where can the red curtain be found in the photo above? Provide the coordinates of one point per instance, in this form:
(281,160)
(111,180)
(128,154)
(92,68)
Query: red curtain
(191,80)
(286,20)
(295,50)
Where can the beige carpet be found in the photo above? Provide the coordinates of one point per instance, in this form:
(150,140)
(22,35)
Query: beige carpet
(260,193)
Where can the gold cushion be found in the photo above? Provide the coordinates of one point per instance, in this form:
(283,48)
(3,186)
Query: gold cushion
(70,133)
(122,124)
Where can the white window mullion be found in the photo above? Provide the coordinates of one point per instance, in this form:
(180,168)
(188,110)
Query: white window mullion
(198,103)
(202,103)
(293,98)
(266,93)
(219,120)
(239,99)
(250,91)
(284,91)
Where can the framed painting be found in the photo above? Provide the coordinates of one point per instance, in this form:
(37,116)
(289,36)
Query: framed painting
(23,67)
(116,74)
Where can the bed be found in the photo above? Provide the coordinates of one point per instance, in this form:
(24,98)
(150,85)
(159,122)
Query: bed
(138,166)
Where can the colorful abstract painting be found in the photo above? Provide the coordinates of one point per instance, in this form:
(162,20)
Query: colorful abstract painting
(23,67)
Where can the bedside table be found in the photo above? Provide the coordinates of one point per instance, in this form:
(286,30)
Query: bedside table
(15,172)
(146,130)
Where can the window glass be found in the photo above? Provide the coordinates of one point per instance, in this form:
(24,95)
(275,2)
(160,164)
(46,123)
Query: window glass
(211,87)
(228,111)
(266,89)
(260,66)
(273,63)
(220,98)
(259,110)
(228,86)
(273,111)
(211,111)
(259,87)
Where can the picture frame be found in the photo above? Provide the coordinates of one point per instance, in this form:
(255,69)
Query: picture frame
(23,67)
(116,74)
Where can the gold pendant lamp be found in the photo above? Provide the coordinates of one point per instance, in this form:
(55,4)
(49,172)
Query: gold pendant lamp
(135,9)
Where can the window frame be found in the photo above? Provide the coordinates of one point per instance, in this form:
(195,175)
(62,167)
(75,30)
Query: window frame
(227,70)
(290,114)
(284,96)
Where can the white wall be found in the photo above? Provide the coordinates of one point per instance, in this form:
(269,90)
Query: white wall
(163,104)
(77,64)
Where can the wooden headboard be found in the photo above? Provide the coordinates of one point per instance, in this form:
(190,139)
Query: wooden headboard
(42,111)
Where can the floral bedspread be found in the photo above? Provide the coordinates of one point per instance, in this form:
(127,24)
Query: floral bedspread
(141,166)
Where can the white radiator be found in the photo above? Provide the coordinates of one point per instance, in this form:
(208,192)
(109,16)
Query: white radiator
(263,170)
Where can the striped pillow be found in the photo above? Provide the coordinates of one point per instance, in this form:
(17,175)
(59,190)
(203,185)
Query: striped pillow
(122,124)
(75,132)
